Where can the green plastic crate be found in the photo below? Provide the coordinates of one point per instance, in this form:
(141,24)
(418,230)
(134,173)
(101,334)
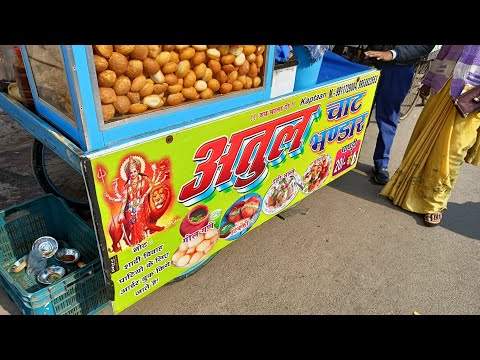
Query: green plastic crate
(81,291)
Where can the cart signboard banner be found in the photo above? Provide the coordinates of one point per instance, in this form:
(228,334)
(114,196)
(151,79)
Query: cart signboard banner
(167,204)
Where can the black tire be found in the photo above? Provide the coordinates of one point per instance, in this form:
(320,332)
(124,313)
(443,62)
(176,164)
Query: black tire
(421,69)
(56,177)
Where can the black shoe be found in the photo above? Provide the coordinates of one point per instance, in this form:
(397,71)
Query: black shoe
(381,175)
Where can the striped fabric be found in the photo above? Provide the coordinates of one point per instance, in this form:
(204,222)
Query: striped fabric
(459,62)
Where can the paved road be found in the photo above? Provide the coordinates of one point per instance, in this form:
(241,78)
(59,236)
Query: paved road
(352,253)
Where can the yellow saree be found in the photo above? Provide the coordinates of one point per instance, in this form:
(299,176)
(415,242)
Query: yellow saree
(440,143)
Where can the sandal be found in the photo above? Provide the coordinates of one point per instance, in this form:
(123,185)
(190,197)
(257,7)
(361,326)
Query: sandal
(433,219)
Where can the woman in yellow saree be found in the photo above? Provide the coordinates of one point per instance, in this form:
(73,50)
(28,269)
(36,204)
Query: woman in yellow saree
(442,140)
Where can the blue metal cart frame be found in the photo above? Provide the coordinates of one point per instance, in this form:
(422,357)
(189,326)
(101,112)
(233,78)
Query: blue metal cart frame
(79,159)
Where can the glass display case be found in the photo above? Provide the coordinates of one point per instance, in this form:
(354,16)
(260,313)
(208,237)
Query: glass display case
(102,95)
(50,79)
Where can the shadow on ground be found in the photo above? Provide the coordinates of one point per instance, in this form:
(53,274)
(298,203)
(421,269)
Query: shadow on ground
(349,183)
(463,219)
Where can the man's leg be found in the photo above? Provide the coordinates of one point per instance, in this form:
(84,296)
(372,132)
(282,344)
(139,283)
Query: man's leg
(396,81)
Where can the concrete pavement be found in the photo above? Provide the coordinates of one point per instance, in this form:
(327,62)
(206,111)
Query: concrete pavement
(352,253)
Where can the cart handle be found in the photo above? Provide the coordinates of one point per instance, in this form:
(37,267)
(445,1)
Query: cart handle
(87,276)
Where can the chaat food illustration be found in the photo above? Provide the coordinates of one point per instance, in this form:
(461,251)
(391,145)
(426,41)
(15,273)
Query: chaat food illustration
(240,217)
(281,193)
(316,174)
(196,248)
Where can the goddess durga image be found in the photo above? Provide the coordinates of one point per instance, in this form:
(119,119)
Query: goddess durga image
(143,200)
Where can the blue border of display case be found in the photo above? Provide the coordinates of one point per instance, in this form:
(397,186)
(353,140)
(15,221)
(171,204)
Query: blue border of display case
(70,151)
(111,134)
(94,136)
(78,59)
(47,111)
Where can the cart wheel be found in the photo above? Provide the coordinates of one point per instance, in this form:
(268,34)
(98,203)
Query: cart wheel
(421,69)
(56,177)
(193,270)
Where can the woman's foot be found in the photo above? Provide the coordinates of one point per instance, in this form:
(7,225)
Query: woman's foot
(433,219)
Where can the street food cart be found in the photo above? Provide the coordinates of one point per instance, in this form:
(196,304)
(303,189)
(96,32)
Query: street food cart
(182,148)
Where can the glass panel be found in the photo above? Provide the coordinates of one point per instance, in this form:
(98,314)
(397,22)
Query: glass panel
(138,79)
(50,77)
(7,59)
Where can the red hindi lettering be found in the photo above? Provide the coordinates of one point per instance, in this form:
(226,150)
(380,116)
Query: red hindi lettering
(207,157)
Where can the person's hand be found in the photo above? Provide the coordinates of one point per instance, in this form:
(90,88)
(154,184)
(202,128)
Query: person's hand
(424,91)
(379,55)
(121,217)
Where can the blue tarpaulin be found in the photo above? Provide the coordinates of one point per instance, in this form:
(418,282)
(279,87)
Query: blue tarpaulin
(335,67)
